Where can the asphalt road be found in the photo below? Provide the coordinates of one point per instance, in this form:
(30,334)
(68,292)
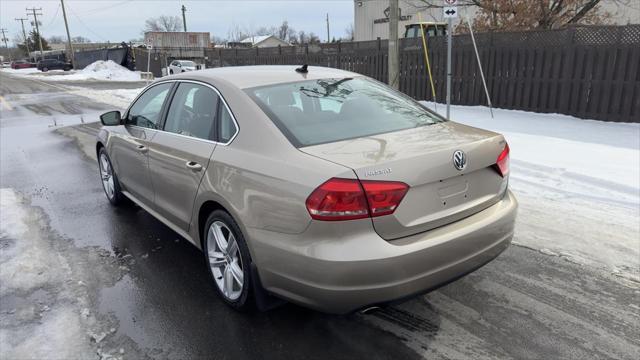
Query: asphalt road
(123,284)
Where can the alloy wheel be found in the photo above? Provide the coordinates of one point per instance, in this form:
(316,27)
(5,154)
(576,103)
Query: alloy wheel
(225,260)
(106,173)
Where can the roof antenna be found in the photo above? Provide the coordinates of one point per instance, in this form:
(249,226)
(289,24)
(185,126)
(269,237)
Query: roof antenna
(302,69)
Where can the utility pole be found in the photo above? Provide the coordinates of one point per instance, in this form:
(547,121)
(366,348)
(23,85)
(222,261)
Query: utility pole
(66,25)
(394,48)
(4,38)
(24,34)
(184,18)
(328,39)
(34,13)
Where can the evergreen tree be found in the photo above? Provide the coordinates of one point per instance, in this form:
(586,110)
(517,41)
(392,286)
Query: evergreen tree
(32,40)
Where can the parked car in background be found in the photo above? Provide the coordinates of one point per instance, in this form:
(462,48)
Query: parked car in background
(53,64)
(180,66)
(6,64)
(22,64)
(321,186)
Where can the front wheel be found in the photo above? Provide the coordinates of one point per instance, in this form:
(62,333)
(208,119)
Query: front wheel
(109,179)
(228,259)
(45,69)
(170,72)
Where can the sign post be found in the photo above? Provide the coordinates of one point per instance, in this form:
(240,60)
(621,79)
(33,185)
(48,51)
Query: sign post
(449,11)
(149,47)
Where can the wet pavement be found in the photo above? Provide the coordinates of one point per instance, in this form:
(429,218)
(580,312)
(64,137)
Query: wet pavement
(126,285)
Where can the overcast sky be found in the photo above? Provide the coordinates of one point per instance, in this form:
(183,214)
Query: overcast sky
(116,21)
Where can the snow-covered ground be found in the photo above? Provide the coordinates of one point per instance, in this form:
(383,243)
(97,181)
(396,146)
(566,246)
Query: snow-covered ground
(578,183)
(99,70)
(120,98)
(26,71)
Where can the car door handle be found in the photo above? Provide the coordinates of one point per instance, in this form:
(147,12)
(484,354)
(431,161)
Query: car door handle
(194,166)
(142,148)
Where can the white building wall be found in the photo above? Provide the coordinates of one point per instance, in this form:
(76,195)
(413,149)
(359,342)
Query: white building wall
(370,19)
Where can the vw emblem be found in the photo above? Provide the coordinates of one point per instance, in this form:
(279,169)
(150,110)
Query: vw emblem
(459,160)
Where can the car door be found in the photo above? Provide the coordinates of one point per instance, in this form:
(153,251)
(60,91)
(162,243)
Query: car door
(130,150)
(179,155)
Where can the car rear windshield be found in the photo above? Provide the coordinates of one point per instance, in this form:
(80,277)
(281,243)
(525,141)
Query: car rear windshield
(321,111)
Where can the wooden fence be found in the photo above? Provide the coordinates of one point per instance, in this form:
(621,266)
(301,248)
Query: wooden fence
(588,72)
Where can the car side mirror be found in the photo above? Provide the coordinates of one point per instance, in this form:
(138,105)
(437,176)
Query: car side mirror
(111,118)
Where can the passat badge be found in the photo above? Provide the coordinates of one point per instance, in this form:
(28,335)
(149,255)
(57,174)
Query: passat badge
(459,160)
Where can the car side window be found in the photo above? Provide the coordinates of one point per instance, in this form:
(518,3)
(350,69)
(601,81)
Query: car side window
(192,112)
(228,127)
(146,111)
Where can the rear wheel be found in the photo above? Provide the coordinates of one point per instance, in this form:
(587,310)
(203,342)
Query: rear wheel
(44,69)
(110,182)
(228,258)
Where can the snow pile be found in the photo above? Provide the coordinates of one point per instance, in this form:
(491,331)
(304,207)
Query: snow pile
(578,183)
(101,70)
(109,70)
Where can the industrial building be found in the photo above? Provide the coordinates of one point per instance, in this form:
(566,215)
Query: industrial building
(371,17)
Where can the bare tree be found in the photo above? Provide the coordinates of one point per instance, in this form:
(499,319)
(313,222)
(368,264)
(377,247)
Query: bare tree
(263,30)
(163,23)
(515,15)
(56,39)
(349,32)
(286,32)
(80,40)
(237,33)
(283,30)
(217,40)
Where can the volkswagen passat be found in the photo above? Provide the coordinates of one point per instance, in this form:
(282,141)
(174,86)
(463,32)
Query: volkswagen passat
(319,186)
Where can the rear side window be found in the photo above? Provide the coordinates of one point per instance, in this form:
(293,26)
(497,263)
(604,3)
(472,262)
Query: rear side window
(192,111)
(228,127)
(145,112)
(321,111)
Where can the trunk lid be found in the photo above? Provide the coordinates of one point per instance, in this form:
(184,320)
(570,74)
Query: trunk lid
(423,159)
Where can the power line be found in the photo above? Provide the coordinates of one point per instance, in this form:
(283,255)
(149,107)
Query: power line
(85,25)
(104,7)
(54,18)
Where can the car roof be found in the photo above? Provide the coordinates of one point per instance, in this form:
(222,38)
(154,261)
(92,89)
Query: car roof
(260,75)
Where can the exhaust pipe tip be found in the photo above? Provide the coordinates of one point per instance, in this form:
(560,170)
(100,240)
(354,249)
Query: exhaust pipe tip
(369,310)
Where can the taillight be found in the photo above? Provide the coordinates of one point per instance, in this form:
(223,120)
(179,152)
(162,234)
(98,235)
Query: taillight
(503,161)
(338,199)
(349,199)
(384,196)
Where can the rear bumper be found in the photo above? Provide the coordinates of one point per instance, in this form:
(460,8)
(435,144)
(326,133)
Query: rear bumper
(339,269)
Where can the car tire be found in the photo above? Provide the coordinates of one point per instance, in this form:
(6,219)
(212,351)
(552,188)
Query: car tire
(45,69)
(170,72)
(229,264)
(110,184)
